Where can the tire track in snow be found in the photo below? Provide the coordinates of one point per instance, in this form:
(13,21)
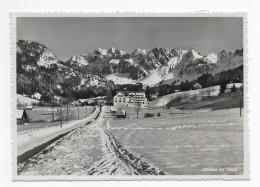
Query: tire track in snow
(118,160)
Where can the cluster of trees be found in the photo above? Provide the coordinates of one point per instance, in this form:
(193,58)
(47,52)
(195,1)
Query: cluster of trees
(130,87)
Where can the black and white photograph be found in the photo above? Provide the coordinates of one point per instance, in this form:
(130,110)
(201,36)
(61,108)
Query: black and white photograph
(116,96)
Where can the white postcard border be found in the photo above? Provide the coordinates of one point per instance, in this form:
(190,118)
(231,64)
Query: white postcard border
(14,15)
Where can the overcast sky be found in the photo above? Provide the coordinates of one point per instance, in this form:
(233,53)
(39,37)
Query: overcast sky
(74,36)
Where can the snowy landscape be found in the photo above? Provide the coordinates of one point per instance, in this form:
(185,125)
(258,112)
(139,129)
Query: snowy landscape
(157,111)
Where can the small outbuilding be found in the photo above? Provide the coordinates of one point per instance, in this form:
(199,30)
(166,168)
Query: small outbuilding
(29,107)
(121,114)
(21,116)
(92,102)
(154,96)
(196,86)
(113,109)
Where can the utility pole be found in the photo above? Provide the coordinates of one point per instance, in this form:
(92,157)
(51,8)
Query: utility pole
(212,102)
(163,105)
(138,108)
(240,108)
(78,110)
(240,104)
(52,110)
(67,113)
(60,114)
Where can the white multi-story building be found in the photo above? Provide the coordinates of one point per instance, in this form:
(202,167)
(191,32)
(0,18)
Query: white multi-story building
(130,99)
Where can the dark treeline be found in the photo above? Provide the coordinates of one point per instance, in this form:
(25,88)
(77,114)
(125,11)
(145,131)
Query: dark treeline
(127,87)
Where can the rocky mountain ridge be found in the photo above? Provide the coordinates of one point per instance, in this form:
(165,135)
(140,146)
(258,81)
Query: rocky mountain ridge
(105,67)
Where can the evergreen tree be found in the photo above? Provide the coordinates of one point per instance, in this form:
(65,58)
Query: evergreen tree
(223,87)
(148,93)
(233,88)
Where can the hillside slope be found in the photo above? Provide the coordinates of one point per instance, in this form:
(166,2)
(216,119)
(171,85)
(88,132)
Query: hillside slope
(39,71)
(210,91)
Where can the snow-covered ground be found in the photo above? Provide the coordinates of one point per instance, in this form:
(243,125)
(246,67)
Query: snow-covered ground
(28,141)
(88,150)
(210,91)
(25,100)
(120,78)
(190,144)
(151,79)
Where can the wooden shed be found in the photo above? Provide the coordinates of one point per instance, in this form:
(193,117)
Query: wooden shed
(21,116)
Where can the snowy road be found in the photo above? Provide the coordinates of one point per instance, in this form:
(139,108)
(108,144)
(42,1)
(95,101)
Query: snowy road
(27,142)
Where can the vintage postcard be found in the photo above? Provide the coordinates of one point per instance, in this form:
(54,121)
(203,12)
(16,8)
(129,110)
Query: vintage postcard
(136,96)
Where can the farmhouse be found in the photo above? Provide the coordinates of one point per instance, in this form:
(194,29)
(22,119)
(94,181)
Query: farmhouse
(196,86)
(21,116)
(130,99)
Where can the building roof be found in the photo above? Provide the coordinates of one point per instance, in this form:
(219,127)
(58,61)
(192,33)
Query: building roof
(83,100)
(113,108)
(197,84)
(125,93)
(29,107)
(19,114)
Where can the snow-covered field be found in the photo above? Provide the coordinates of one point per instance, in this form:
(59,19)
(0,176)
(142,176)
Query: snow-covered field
(25,100)
(199,142)
(44,114)
(191,144)
(210,91)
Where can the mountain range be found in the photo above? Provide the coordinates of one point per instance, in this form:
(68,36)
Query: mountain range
(104,68)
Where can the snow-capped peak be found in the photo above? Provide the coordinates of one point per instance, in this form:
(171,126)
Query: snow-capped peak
(195,54)
(211,57)
(79,59)
(102,51)
(140,51)
(191,55)
(47,59)
(111,50)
